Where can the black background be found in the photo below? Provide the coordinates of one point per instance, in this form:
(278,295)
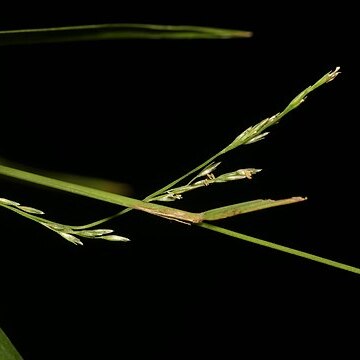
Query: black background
(145,112)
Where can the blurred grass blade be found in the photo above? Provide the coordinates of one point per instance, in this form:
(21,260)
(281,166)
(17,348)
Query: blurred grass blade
(90,181)
(7,349)
(116,32)
(93,182)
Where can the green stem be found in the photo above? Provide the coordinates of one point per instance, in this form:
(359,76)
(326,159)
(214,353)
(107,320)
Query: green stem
(175,182)
(282,248)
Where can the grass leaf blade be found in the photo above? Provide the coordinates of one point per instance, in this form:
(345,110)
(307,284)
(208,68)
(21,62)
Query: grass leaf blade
(116,32)
(245,207)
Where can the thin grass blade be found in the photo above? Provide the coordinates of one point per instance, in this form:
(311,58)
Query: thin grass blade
(116,32)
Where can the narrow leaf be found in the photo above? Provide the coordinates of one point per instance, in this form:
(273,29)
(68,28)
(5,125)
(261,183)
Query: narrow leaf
(116,32)
(249,206)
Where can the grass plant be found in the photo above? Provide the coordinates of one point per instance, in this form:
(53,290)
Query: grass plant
(202,176)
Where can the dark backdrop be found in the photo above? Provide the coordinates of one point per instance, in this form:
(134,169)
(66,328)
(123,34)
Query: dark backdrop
(145,112)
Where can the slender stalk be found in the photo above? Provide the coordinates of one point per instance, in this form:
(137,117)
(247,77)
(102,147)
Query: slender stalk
(176,181)
(282,248)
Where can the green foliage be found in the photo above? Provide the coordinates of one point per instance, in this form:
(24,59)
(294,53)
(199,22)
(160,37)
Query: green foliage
(204,173)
